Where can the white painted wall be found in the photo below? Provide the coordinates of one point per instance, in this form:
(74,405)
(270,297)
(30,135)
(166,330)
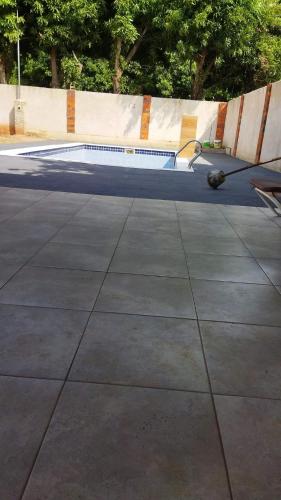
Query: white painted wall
(108,114)
(272,137)
(250,125)
(231,122)
(45,109)
(166,116)
(7,100)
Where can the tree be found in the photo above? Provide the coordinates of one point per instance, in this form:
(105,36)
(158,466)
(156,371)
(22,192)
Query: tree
(177,48)
(269,46)
(212,30)
(129,25)
(59,24)
(10,31)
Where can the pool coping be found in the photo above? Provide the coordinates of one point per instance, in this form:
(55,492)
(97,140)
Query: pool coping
(17,152)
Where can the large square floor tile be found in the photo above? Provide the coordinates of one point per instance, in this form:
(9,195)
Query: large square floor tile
(148,295)
(243,359)
(251,434)
(112,200)
(155,240)
(237,302)
(223,245)
(272,267)
(110,443)
(97,220)
(60,205)
(84,235)
(153,225)
(36,215)
(226,268)
(154,208)
(249,216)
(138,350)
(121,208)
(11,209)
(262,242)
(19,240)
(15,230)
(7,269)
(78,198)
(187,206)
(28,195)
(277,220)
(26,407)
(196,229)
(146,203)
(49,287)
(149,259)
(38,342)
(189,217)
(71,256)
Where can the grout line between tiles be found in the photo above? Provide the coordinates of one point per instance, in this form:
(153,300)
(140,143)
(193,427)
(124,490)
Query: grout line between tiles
(252,255)
(25,208)
(137,386)
(69,369)
(209,381)
(179,318)
(27,262)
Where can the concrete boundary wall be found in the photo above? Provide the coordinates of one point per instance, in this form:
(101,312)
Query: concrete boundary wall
(109,115)
(231,122)
(58,111)
(260,131)
(44,109)
(7,115)
(166,116)
(271,147)
(250,125)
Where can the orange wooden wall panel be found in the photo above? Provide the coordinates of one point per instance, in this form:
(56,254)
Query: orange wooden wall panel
(145,118)
(71,111)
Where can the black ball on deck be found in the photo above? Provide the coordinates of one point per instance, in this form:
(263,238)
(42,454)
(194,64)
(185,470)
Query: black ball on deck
(216,178)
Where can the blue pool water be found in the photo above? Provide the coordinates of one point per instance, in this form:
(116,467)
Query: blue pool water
(110,155)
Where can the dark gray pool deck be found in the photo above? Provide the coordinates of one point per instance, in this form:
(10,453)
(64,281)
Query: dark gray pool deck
(140,348)
(73,177)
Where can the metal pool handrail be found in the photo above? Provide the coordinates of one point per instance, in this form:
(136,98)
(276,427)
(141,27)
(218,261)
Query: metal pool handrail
(194,157)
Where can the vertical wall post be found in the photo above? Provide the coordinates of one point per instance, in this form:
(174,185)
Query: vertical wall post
(242,99)
(70,111)
(263,122)
(222,110)
(19,127)
(145,117)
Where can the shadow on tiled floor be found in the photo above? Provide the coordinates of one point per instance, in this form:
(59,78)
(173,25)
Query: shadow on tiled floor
(140,349)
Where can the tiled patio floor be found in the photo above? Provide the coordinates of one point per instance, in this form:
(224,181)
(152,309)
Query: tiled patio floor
(140,349)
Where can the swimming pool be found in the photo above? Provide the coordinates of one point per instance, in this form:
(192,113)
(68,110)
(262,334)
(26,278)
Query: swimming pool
(119,156)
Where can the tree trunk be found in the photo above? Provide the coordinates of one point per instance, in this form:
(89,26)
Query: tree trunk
(136,45)
(198,82)
(3,78)
(54,68)
(118,72)
(204,64)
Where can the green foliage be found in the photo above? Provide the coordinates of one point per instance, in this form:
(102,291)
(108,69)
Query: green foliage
(181,48)
(10,26)
(87,74)
(71,70)
(36,68)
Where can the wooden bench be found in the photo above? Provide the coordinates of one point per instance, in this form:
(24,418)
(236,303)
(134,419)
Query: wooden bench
(270,192)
